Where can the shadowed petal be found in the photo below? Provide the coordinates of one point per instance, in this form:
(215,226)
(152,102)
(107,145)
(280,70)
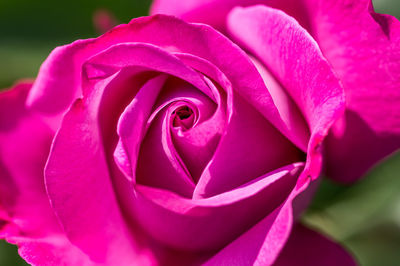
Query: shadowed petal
(363,47)
(307,247)
(294,58)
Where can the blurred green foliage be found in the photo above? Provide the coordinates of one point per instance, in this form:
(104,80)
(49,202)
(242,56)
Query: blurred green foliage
(364,217)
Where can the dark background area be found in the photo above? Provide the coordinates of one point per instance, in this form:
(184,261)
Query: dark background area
(364,217)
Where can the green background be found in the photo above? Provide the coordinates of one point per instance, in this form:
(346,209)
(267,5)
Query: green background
(364,217)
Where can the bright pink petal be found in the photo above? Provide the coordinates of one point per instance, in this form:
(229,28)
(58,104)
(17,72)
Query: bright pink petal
(26,218)
(262,244)
(287,108)
(364,49)
(59,77)
(196,143)
(81,191)
(132,124)
(157,145)
(296,61)
(170,149)
(159,164)
(251,147)
(248,153)
(174,220)
(307,247)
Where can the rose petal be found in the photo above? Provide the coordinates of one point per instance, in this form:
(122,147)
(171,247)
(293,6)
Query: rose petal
(261,244)
(26,218)
(208,218)
(251,147)
(296,61)
(159,164)
(80,189)
(364,49)
(265,156)
(166,153)
(307,247)
(165,32)
(353,49)
(287,108)
(151,58)
(197,144)
(132,123)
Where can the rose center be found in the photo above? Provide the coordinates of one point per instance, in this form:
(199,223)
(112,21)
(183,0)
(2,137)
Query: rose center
(184,112)
(183,117)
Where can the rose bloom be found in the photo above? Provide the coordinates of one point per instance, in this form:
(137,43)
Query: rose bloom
(165,142)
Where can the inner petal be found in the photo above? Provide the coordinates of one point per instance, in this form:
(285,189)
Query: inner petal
(182,134)
(159,165)
(287,108)
(197,144)
(249,148)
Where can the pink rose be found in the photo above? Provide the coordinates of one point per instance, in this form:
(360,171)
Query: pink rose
(361,46)
(163,142)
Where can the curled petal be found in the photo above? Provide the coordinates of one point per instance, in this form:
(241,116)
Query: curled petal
(261,244)
(83,197)
(207,218)
(64,65)
(295,59)
(363,47)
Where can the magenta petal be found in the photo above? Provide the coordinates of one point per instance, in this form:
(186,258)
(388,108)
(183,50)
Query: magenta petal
(306,247)
(294,58)
(287,108)
(174,220)
(26,218)
(196,143)
(60,75)
(167,33)
(364,49)
(81,192)
(159,165)
(251,147)
(168,149)
(147,56)
(262,244)
(132,124)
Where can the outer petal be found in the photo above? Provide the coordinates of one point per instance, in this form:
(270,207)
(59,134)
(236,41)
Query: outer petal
(262,244)
(26,218)
(307,247)
(296,61)
(364,49)
(208,218)
(81,191)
